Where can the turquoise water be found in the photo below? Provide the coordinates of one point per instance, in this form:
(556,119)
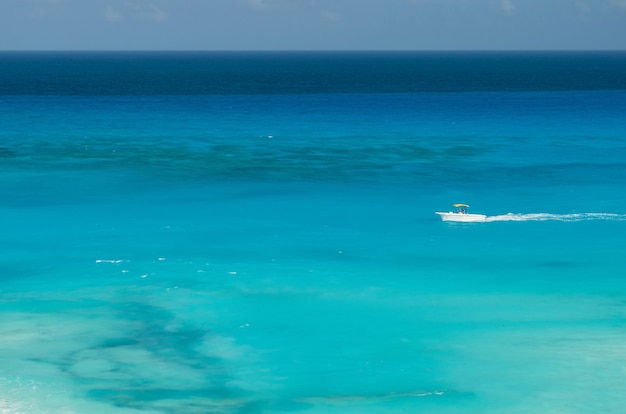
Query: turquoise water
(271,246)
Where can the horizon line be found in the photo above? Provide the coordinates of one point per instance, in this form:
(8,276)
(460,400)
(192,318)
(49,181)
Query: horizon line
(310,50)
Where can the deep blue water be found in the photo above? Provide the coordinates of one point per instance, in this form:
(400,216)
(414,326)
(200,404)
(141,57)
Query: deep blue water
(255,232)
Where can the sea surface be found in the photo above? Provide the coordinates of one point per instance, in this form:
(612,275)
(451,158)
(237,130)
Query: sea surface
(255,232)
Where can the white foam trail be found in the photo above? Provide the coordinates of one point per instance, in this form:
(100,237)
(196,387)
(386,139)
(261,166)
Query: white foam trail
(557,217)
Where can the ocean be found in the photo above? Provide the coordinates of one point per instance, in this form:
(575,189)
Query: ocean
(255,232)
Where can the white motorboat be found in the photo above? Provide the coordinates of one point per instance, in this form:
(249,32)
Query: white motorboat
(461,214)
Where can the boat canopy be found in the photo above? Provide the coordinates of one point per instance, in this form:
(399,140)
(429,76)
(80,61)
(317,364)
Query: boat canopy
(461,205)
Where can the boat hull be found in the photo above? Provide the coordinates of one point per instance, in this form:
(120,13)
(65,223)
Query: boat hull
(462,217)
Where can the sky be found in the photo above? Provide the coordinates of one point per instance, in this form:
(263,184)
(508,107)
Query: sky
(312,24)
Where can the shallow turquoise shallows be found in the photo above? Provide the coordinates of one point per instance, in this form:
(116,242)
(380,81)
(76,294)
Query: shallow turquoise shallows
(256,233)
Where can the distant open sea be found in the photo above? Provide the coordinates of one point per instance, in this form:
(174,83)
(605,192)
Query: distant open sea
(255,232)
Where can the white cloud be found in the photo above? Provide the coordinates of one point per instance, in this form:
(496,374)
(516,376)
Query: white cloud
(37,13)
(256,4)
(112,15)
(152,12)
(137,11)
(39,9)
(507,6)
(582,6)
(44,1)
(620,4)
(330,16)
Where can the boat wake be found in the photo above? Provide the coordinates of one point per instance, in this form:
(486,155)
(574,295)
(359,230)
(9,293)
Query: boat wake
(557,217)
